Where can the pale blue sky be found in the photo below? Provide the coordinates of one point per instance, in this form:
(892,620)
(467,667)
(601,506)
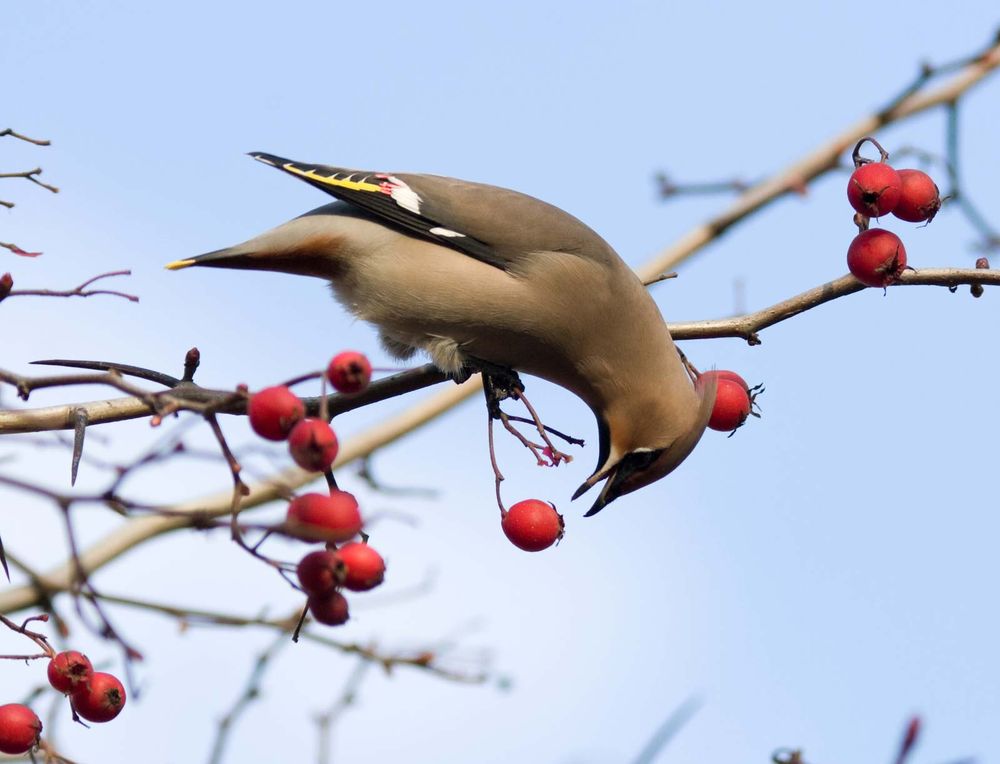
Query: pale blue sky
(815,579)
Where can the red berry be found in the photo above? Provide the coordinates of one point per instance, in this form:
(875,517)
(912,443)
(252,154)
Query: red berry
(349,372)
(68,669)
(320,572)
(364,567)
(336,513)
(920,199)
(313,445)
(532,525)
(724,374)
(876,257)
(274,411)
(20,728)
(874,189)
(101,699)
(329,608)
(732,406)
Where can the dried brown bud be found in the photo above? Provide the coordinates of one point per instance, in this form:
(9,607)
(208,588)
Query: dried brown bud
(982,262)
(976,290)
(191,361)
(6,284)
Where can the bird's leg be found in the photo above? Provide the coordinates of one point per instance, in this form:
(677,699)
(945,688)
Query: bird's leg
(500,384)
(568,438)
(497,475)
(690,367)
(494,394)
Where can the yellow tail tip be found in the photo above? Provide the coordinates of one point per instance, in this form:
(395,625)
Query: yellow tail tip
(176,265)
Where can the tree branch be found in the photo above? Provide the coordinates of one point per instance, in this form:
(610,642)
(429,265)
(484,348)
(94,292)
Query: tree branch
(821,160)
(187,514)
(12,134)
(747,326)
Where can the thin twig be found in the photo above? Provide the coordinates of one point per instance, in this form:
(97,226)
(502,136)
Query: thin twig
(31,175)
(251,692)
(12,134)
(326,721)
(747,326)
(78,291)
(825,158)
(667,731)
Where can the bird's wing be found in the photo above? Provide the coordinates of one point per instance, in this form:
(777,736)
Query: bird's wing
(494,225)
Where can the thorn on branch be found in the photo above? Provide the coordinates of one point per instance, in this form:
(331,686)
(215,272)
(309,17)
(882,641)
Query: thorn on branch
(80,421)
(139,372)
(661,277)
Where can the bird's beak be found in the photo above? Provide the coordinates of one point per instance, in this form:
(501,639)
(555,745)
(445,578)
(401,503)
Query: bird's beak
(231,257)
(617,476)
(608,493)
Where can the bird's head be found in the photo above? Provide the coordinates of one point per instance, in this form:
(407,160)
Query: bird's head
(641,444)
(308,245)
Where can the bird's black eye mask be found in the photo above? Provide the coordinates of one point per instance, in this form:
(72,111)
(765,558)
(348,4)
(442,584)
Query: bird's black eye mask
(632,463)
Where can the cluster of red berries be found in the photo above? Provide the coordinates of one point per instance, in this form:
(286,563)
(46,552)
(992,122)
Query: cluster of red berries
(276,413)
(734,399)
(94,695)
(322,574)
(877,257)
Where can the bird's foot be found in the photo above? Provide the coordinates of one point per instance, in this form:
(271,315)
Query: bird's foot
(499,384)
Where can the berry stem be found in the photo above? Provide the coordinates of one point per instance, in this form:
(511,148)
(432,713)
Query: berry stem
(860,160)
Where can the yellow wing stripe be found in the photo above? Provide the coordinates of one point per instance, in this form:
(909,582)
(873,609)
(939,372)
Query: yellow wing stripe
(330,180)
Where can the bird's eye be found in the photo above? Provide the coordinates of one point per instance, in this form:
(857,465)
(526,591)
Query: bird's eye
(640,460)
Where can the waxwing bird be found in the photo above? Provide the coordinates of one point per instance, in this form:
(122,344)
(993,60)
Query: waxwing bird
(474,273)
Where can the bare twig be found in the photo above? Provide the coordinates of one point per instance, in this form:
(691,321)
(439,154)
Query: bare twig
(747,326)
(35,636)
(12,134)
(326,721)
(793,178)
(184,515)
(419,659)
(667,730)
(251,692)
(13,247)
(668,188)
(78,291)
(957,193)
(31,175)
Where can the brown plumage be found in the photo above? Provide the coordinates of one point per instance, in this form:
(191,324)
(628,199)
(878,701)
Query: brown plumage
(467,272)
